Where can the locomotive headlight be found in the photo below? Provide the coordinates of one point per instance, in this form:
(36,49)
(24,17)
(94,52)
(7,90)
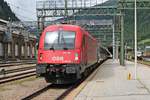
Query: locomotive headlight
(76,56)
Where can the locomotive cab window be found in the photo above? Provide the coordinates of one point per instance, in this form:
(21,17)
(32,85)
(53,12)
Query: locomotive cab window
(59,40)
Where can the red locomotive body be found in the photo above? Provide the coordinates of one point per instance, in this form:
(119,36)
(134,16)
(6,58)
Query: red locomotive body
(64,53)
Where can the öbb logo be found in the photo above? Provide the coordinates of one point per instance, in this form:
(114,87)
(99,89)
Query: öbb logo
(57,58)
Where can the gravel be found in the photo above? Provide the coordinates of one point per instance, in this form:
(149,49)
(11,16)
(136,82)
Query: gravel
(18,89)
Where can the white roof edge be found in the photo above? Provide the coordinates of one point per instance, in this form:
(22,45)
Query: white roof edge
(2,20)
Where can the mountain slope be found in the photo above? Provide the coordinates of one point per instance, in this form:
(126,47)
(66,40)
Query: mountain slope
(143,23)
(6,13)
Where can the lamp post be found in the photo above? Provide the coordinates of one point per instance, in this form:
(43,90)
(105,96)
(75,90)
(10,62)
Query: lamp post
(135,38)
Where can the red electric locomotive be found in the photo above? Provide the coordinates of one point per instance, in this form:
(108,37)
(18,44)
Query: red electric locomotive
(64,53)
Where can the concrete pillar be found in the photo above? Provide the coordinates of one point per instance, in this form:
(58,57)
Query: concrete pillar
(22,51)
(19,49)
(9,49)
(1,50)
(13,49)
(16,50)
(5,51)
(30,50)
(122,49)
(25,50)
(117,50)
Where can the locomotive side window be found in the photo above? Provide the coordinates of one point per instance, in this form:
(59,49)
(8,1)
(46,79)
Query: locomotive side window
(59,40)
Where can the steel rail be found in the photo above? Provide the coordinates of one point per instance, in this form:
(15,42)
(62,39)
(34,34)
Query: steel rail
(17,70)
(17,77)
(15,64)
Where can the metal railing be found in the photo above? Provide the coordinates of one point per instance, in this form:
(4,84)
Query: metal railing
(61,3)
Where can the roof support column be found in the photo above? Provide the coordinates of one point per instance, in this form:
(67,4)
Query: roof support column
(122,62)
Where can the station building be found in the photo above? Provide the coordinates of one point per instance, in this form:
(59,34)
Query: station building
(15,42)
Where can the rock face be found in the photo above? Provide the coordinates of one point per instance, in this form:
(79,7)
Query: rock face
(6,12)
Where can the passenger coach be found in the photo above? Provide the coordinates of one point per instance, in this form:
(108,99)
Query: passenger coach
(65,52)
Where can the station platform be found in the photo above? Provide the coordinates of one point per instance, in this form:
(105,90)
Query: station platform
(111,82)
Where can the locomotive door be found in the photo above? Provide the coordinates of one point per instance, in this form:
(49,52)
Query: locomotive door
(84,50)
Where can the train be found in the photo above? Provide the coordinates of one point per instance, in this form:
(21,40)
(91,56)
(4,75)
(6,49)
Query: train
(65,53)
(104,53)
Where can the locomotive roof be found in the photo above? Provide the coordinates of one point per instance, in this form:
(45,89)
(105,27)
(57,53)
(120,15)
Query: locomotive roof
(67,25)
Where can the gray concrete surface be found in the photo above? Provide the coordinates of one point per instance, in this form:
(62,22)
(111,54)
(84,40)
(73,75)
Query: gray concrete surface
(111,83)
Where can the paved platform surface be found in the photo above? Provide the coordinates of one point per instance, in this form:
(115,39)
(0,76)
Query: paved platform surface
(111,83)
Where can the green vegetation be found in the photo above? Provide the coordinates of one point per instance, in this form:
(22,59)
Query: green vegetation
(145,41)
(141,62)
(143,25)
(6,12)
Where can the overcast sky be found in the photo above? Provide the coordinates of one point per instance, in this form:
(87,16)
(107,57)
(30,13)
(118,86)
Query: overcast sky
(26,9)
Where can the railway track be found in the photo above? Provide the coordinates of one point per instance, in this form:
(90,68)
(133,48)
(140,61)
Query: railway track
(15,64)
(12,73)
(19,75)
(19,61)
(61,92)
(4,72)
(38,93)
(16,73)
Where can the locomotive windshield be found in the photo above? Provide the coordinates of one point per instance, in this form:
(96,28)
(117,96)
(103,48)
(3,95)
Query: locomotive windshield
(59,40)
